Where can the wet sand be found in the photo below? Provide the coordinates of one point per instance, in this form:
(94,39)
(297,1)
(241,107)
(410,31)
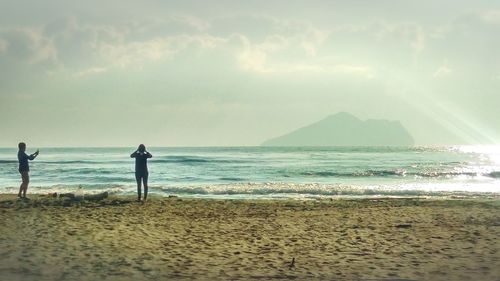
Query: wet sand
(202,239)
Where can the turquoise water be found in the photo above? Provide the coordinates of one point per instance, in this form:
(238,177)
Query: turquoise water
(265,172)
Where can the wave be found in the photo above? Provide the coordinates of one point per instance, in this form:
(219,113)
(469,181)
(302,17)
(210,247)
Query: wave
(266,190)
(163,159)
(397,173)
(84,171)
(231,179)
(293,190)
(72,188)
(181,159)
(65,162)
(495,175)
(355,174)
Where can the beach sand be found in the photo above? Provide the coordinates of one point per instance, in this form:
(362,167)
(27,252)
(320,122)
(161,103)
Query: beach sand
(202,239)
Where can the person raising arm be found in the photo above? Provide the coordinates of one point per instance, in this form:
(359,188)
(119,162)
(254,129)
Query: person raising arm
(141,170)
(24,168)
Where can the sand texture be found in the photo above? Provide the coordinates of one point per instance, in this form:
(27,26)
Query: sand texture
(200,239)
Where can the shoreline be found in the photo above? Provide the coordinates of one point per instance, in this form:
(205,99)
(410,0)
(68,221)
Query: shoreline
(258,191)
(219,239)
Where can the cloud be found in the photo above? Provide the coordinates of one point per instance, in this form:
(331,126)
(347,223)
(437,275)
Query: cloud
(138,53)
(27,45)
(90,71)
(254,56)
(126,54)
(76,47)
(312,40)
(403,34)
(82,46)
(263,45)
(258,44)
(195,22)
(259,58)
(294,47)
(492,16)
(420,38)
(442,71)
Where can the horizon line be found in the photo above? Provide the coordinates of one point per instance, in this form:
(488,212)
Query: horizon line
(266,146)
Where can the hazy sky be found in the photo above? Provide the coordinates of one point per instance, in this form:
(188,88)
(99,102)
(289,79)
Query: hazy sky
(183,73)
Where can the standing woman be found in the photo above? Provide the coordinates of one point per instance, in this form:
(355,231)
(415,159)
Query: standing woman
(141,169)
(24,168)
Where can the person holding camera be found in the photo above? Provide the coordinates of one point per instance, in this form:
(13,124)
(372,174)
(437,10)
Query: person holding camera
(24,168)
(141,170)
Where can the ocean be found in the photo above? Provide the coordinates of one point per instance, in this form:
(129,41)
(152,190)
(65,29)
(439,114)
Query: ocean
(265,172)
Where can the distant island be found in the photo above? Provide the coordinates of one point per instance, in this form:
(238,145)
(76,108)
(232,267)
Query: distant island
(344,129)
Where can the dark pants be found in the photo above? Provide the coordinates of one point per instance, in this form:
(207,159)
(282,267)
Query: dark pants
(143,176)
(25,178)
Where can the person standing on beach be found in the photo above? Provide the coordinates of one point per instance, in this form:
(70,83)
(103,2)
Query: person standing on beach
(141,170)
(24,168)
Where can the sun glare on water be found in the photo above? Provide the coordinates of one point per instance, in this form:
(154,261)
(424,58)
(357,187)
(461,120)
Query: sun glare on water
(491,152)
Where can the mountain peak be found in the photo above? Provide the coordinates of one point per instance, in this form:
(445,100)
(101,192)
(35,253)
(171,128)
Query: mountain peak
(344,129)
(342,115)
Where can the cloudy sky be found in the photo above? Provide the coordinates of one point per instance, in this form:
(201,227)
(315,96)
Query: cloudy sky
(203,73)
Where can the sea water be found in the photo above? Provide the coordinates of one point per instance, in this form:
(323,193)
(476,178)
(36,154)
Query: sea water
(265,172)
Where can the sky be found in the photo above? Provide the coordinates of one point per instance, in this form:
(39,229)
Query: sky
(236,73)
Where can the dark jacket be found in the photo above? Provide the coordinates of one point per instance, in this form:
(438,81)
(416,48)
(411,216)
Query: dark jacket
(23,161)
(141,161)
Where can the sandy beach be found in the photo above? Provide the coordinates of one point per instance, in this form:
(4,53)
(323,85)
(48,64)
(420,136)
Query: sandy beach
(202,239)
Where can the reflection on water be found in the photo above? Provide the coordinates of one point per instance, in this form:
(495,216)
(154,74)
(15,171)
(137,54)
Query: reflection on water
(265,171)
